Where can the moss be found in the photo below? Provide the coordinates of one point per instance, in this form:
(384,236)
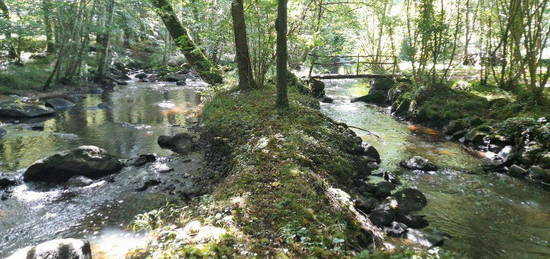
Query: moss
(284,161)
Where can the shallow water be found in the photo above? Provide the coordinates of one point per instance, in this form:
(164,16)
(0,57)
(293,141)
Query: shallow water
(488,215)
(135,116)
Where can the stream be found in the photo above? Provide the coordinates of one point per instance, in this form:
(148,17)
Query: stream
(126,124)
(487,215)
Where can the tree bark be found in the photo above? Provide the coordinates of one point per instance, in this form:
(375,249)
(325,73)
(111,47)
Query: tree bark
(193,54)
(282,55)
(246,80)
(6,14)
(104,40)
(46,7)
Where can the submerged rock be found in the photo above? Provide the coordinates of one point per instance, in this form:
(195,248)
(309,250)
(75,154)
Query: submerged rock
(148,184)
(3,132)
(181,83)
(23,110)
(413,221)
(141,76)
(180,143)
(59,103)
(69,248)
(90,161)
(327,99)
(418,163)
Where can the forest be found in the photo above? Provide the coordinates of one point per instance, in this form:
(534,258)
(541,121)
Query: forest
(274,129)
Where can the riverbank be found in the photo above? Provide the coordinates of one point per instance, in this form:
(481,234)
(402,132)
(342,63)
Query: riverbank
(290,178)
(509,132)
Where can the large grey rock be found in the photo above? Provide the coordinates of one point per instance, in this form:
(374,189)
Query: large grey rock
(90,161)
(517,171)
(23,110)
(409,200)
(379,92)
(418,163)
(180,143)
(370,151)
(56,249)
(59,103)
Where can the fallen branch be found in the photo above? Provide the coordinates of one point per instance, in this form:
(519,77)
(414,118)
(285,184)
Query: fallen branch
(366,130)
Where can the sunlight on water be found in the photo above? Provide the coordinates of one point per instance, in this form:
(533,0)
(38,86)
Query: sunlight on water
(114,243)
(489,216)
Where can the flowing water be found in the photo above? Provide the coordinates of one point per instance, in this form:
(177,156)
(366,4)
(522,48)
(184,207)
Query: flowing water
(487,215)
(126,124)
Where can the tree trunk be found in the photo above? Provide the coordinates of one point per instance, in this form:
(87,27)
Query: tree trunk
(6,14)
(282,55)
(246,81)
(104,40)
(193,54)
(46,7)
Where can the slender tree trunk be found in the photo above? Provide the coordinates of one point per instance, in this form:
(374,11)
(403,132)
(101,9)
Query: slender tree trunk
(46,9)
(6,15)
(282,55)
(193,54)
(246,80)
(104,42)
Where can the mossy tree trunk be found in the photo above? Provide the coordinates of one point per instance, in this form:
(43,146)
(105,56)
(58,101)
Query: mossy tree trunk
(246,80)
(104,40)
(282,55)
(192,52)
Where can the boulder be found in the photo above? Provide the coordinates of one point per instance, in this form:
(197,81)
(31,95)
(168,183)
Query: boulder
(147,184)
(396,229)
(141,76)
(475,137)
(366,205)
(540,174)
(90,161)
(24,110)
(409,200)
(327,99)
(382,215)
(427,239)
(174,78)
(418,163)
(455,126)
(59,103)
(517,171)
(181,83)
(6,181)
(383,189)
(413,221)
(57,249)
(370,151)
(180,143)
(378,94)
(317,88)
(141,160)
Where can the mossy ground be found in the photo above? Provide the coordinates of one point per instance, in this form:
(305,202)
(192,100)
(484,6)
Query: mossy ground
(437,105)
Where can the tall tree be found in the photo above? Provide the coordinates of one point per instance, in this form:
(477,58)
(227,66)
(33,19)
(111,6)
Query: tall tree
(104,40)
(246,80)
(194,55)
(46,12)
(282,55)
(6,15)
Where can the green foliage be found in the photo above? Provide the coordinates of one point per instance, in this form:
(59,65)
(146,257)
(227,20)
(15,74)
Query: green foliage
(25,77)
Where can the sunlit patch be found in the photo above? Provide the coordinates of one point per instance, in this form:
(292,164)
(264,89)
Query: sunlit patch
(166,104)
(23,193)
(116,243)
(445,152)
(187,111)
(424,130)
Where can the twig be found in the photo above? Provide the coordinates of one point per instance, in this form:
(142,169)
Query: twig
(368,131)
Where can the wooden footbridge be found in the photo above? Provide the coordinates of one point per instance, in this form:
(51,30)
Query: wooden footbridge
(350,67)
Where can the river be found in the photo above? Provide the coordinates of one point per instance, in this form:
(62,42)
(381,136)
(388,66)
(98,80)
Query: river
(487,215)
(126,124)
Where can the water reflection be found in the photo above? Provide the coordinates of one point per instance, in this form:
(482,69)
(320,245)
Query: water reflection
(127,123)
(489,216)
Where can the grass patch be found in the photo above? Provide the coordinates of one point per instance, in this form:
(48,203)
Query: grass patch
(31,76)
